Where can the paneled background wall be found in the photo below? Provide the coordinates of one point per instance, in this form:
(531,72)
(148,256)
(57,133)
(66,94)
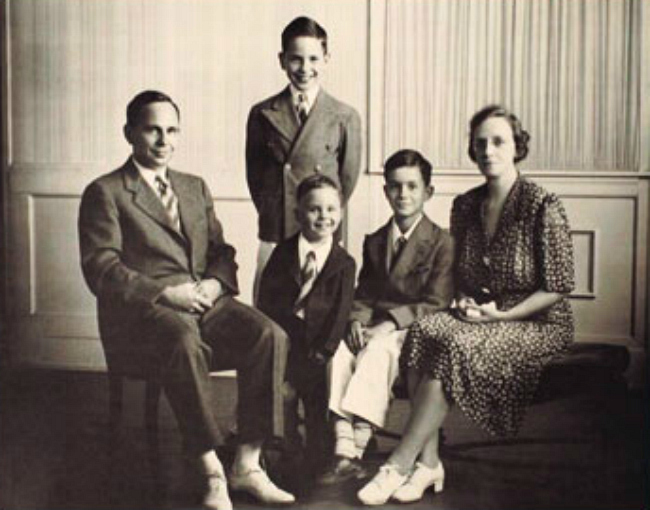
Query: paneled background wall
(576,71)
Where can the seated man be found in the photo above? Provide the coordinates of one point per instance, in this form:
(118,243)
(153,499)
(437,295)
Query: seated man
(406,273)
(153,252)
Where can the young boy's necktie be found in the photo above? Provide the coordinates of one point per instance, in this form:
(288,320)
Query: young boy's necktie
(307,278)
(169,201)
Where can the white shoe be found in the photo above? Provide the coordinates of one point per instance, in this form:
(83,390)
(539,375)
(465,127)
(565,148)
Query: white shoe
(216,496)
(420,480)
(257,483)
(378,490)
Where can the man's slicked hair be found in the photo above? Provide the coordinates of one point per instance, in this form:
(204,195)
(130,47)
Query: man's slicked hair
(136,105)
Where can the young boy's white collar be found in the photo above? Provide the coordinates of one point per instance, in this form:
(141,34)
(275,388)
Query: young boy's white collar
(311,94)
(321,251)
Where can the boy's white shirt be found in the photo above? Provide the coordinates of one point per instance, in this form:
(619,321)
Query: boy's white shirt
(395,233)
(321,252)
(311,94)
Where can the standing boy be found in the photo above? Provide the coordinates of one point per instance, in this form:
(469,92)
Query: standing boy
(307,288)
(406,273)
(297,133)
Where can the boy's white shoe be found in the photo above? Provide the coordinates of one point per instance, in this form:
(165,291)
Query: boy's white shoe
(257,483)
(384,484)
(216,495)
(420,480)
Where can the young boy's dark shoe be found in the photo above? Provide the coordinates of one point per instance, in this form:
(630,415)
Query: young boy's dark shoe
(341,470)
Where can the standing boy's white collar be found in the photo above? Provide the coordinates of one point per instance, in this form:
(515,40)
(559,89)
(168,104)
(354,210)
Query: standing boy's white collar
(311,94)
(321,251)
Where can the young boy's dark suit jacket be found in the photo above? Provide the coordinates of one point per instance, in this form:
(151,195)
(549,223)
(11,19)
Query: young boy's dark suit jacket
(280,153)
(326,311)
(420,282)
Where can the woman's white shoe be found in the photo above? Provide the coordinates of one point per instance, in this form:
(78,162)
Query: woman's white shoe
(420,480)
(378,490)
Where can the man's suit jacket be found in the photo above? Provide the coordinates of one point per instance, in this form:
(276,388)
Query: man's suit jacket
(327,306)
(280,154)
(420,282)
(130,250)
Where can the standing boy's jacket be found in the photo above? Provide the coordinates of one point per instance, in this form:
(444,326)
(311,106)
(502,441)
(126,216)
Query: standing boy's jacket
(280,153)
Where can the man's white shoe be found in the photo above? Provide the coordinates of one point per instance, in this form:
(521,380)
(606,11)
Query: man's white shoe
(257,483)
(420,480)
(216,495)
(378,490)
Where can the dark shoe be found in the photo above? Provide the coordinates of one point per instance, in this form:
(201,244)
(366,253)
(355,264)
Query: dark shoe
(341,470)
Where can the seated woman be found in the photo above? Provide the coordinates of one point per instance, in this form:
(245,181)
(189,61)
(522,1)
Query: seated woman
(513,270)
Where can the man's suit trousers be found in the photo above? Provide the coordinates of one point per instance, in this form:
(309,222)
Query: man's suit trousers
(231,335)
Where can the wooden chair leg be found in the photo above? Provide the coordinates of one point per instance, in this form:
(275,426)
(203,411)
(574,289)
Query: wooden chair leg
(152,397)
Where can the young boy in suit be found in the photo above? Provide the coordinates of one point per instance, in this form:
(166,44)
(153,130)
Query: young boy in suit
(297,133)
(406,273)
(307,288)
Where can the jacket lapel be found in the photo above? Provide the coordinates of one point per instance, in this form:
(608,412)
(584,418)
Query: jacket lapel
(282,116)
(317,115)
(415,250)
(333,265)
(145,198)
(189,208)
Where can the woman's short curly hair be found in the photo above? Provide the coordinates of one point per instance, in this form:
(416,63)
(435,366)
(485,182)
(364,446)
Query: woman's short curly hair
(519,134)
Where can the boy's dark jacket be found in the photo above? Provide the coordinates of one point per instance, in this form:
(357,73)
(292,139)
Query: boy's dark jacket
(420,283)
(328,304)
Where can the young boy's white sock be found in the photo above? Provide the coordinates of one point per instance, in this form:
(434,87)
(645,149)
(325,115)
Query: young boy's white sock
(362,434)
(344,435)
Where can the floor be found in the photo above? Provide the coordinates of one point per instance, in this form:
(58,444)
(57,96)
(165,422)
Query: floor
(582,451)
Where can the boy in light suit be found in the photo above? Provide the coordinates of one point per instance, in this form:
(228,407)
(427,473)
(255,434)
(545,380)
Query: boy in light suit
(307,288)
(297,133)
(406,273)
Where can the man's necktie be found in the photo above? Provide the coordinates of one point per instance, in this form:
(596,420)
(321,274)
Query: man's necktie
(302,108)
(307,278)
(169,201)
(399,248)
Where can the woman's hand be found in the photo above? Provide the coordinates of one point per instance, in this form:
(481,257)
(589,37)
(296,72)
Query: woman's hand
(463,303)
(487,312)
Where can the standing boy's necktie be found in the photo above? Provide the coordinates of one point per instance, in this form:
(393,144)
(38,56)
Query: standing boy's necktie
(302,108)
(307,278)
(399,248)
(169,201)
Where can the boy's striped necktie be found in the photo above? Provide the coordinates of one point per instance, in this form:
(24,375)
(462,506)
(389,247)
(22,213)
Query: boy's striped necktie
(302,108)
(308,276)
(169,201)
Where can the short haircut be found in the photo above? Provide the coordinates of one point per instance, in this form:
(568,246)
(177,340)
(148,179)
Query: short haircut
(317,181)
(303,27)
(136,105)
(520,136)
(408,157)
